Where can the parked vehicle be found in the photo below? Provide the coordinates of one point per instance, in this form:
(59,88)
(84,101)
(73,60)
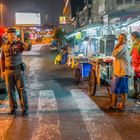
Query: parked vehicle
(2,84)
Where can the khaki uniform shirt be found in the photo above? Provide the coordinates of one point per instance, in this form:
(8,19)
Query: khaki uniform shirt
(11,54)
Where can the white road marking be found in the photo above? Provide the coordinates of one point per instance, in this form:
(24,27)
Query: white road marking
(5,123)
(36,47)
(34,50)
(39,48)
(31,53)
(47,126)
(97,123)
(4,106)
(5,120)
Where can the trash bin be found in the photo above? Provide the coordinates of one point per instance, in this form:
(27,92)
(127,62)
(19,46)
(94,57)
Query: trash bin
(86,68)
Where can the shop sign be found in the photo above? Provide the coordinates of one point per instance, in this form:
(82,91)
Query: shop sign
(62,20)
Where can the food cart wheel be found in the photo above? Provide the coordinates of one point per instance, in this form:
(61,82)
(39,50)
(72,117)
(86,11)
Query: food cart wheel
(92,83)
(77,76)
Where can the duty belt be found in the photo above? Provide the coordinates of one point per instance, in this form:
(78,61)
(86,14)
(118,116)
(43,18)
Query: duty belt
(12,67)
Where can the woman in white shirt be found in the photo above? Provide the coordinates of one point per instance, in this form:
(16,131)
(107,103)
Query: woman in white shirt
(122,70)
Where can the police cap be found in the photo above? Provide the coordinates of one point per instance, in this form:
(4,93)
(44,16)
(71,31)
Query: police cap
(11,30)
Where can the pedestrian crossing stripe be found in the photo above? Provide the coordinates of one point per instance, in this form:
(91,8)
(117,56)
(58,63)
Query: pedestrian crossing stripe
(93,120)
(34,50)
(48,129)
(5,122)
(47,126)
(33,53)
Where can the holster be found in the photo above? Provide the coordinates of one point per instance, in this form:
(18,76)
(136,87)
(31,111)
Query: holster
(23,66)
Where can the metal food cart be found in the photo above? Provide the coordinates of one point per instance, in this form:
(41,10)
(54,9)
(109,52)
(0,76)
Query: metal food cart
(101,73)
(96,70)
(102,69)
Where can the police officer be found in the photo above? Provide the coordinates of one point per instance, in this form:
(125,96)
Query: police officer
(13,70)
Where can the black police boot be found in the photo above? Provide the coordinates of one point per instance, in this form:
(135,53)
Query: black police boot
(25,113)
(13,112)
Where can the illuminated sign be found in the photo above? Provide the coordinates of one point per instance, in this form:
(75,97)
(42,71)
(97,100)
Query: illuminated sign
(27,18)
(62,20)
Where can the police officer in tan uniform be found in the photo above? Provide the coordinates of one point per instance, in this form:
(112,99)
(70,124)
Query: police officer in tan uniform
(13,70)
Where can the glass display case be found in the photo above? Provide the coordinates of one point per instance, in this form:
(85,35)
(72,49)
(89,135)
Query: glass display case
(107,45)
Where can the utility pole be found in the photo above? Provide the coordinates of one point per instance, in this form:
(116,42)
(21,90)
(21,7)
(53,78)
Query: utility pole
(1,13)
(22,33)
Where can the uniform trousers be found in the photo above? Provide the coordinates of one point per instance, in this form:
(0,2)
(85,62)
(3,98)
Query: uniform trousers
(15,79)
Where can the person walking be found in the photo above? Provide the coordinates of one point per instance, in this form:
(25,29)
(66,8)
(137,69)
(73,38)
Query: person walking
(135,53)
(122,70)
(13,70)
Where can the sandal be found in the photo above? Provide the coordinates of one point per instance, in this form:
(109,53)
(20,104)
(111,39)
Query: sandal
(111,107)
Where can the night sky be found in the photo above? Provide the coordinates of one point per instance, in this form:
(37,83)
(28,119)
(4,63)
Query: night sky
(52,8)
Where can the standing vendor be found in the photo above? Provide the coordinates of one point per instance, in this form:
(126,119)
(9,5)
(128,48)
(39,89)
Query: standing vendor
(135,53)
(121,65)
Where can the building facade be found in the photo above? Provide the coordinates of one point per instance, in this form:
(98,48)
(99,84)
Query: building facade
(101,12)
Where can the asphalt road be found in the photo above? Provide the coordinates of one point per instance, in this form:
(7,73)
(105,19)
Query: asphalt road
(61,110)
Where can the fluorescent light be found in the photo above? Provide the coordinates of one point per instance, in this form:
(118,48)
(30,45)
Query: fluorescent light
(93,28)
(72,35)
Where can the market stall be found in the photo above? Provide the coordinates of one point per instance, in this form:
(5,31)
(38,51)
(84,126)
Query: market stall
(91,58)
(101,72)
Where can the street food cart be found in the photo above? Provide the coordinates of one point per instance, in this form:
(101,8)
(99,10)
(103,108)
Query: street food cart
(102,68)
(101,73)
(96,69)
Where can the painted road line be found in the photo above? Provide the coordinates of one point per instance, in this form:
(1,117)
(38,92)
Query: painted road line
(34,50)
(47,126)
(97,123)
(4,107)
(33,53)
(39,48)
(5,120)
(5,123)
